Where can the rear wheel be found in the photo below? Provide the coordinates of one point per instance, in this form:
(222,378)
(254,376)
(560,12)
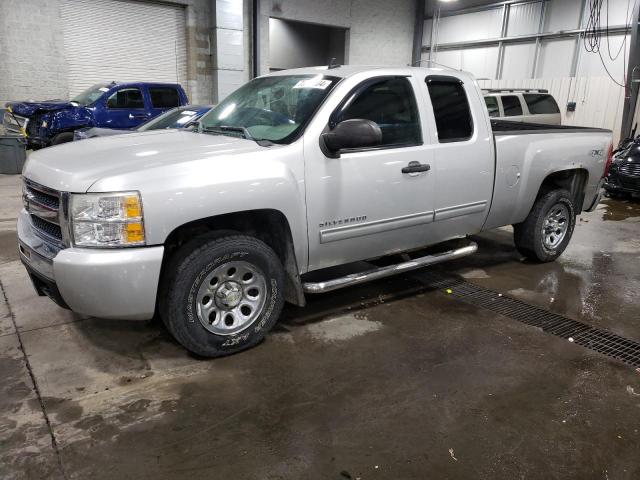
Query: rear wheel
(63,137)
(222,295)
(548,228)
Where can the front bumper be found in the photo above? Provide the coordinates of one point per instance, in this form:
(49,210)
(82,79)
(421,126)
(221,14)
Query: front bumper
(622,183)
(107,283)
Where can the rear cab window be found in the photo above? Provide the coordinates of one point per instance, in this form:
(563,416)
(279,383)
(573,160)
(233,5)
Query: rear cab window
(164,97)
(450,108)
(511,105)
(540,104)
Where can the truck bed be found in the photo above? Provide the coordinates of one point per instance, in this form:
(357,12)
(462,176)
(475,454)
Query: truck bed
(505,127)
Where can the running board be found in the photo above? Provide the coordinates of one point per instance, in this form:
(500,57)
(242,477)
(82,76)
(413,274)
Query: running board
(376,273)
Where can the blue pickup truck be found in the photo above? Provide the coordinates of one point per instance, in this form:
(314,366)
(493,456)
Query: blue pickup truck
(109,105)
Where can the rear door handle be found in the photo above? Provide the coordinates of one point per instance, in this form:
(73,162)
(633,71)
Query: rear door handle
(138,115)
(416,167)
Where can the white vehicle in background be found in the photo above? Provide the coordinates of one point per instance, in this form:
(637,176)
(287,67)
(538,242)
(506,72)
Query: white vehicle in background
(522,105)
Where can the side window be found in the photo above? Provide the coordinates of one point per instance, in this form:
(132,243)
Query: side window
(492,106)
(164,97)
(541,104)
(511,105)
(126,98)
(450,108)
(390,103)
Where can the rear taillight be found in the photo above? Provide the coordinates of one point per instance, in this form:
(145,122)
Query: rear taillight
(609,160)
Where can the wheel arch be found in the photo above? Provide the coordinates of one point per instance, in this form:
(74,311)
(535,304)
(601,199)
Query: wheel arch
(268,225)
(575,180)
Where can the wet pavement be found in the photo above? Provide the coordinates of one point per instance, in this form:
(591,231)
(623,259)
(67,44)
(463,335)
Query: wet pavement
(391,380)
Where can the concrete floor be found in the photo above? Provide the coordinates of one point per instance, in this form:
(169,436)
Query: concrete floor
(391,380)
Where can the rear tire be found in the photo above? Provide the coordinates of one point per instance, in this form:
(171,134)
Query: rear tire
(222,295)
(63,137)
(548,228)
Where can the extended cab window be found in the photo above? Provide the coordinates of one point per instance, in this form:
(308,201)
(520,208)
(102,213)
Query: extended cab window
(492,106)
(511,106)
(164,97)
(540,104)
(126,98)
(392,105)
(450,108)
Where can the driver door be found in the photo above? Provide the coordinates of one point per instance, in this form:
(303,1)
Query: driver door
(361,205)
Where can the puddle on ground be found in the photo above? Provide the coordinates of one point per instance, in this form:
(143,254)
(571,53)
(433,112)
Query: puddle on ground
(474,273)
(619,210)
(343,327)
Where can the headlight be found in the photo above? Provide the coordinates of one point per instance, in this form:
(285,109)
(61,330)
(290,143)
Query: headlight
(107,219)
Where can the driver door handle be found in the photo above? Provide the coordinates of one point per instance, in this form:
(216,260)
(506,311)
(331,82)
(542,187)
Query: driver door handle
(416,167)
(138,115)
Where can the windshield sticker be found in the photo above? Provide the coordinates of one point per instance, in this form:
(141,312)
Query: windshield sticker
(313,83)
(103,89)
(187,112)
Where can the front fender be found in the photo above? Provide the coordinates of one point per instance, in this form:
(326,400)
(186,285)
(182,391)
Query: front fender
(176,194)
(69,119)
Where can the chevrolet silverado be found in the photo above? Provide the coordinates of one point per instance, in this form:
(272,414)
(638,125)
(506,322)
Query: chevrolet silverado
(295,172)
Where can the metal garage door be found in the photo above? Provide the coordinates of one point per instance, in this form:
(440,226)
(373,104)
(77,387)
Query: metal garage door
(120,40)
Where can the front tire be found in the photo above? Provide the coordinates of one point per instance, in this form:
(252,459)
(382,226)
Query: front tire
(548,228)
(222,295)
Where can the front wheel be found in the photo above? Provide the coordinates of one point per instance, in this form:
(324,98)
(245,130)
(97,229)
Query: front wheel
(222,295)
(548,228)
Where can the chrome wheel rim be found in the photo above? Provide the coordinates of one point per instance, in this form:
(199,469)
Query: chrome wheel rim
(231,297)
(555,226)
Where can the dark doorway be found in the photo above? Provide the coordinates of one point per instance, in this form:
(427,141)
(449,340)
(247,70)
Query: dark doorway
(298,44)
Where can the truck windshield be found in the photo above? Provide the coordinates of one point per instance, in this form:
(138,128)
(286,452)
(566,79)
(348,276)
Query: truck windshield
(275,109)
(90,95)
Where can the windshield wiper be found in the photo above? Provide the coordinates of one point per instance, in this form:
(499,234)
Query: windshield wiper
(222,129)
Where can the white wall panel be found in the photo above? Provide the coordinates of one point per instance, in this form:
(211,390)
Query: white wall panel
(470,26)
(524,19)
(449,58)
(555,58)
(619,11)
(518,60)
(481,61)
(563,15)
(591,64)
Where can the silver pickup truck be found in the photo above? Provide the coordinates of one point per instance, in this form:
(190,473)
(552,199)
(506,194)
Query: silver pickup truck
(295,172)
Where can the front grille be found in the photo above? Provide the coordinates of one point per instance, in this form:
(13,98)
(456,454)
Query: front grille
(43,205)
(632,169)
(47,228)
(33,126)
(44,198)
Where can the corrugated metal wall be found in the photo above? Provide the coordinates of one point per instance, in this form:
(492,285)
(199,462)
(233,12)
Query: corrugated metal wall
(599,100)
(120,40)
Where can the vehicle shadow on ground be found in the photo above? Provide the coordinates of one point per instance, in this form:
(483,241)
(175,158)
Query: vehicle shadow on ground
(137,340)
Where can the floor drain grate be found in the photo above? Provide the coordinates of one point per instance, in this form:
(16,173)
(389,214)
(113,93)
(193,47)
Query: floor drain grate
(602,341)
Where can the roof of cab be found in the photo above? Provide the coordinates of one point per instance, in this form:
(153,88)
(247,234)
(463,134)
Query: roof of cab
(344,71)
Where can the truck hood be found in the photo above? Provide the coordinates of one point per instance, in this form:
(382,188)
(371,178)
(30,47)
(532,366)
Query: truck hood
(75,166)
(26,109)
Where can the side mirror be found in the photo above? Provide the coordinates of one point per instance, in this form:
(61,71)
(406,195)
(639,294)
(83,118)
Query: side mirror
(354,133)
